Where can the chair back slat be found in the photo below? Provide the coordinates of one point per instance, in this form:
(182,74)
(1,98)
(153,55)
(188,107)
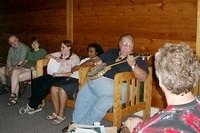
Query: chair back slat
(138,96)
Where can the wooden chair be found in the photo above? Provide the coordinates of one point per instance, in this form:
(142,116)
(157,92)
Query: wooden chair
(135,100)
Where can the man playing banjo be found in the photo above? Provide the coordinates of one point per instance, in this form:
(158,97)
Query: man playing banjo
(96,97)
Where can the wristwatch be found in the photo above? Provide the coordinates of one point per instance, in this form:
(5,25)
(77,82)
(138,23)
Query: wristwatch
(133,66)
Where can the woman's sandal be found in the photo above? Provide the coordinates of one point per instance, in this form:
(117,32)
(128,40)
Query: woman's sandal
(12,99)
(58,120)
(52,116)
(12,95)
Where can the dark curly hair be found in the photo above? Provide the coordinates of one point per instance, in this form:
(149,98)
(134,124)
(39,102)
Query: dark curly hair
(97,47)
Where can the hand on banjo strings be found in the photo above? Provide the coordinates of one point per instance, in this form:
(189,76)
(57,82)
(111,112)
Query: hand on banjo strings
(131,60)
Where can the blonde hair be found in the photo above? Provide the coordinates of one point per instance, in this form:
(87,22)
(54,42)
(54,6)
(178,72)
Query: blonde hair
(177,67)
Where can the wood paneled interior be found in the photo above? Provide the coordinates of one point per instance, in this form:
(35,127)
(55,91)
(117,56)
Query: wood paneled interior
(44,19)
(152,22)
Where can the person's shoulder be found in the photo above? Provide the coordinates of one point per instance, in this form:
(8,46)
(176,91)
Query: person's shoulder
(42,50)
(113,50)
(57,54)
(23,46)
(75,55)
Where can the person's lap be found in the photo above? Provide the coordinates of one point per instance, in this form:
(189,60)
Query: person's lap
(69,85)
(96,108)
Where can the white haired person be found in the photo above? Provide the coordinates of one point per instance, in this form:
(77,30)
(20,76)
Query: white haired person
(178,71)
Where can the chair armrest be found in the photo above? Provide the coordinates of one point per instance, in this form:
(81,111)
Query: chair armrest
(83,70)
(40,64)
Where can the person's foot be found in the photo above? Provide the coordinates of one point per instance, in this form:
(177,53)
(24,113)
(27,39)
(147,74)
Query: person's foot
(52,116)
(58,120)
(24,110)
(35,111)
(12,100)
(29,110)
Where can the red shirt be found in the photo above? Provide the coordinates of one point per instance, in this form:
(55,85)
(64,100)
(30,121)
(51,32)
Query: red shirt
(174,119)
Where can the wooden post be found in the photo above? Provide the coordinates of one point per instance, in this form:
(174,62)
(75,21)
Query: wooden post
(198,39)
(69,19)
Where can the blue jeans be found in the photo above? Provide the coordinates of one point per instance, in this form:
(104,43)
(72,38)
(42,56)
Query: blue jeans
(94,100)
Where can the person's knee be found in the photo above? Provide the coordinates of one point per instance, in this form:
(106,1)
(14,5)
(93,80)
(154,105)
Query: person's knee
(61,91)
(104,103)
(15,72)
(54,90)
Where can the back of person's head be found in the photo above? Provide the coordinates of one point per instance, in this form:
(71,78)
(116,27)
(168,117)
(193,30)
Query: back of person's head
(67,43)
(177,68)
(97,48)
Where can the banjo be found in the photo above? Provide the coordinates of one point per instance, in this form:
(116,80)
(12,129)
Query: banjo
(99,70)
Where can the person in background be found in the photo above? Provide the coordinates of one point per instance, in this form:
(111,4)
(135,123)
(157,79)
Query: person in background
(58,68)
(178,71)
(67,88)
(16,56)
(23,72)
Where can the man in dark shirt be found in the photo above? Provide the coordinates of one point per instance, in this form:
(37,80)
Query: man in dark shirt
(96,97)
(178,70)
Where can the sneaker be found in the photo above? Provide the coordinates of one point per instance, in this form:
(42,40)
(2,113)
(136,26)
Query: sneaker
(24,110)
(30,112)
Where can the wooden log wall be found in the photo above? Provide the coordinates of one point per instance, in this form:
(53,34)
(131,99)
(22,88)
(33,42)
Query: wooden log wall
(152,22)
(27,18)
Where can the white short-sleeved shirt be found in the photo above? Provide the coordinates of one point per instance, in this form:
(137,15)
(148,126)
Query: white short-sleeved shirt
(63,66)
(76,74)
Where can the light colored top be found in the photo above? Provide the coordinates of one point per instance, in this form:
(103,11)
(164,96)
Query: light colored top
(15,55)
(76,74)
(63,66)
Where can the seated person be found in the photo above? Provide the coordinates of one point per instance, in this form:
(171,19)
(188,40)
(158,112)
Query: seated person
(95,98)
(67,88)
(59,68)
(23,71)
(178,71)
(16,56)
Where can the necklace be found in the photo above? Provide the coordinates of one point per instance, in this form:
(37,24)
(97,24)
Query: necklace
(61,56)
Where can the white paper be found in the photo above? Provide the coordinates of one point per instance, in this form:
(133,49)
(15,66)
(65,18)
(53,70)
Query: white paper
(86,129)
(53,66)
(81,130)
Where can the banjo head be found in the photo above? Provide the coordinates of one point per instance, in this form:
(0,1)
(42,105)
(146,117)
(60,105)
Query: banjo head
(97,71)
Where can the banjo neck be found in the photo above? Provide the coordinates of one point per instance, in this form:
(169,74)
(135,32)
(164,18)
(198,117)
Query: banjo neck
(120,62)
